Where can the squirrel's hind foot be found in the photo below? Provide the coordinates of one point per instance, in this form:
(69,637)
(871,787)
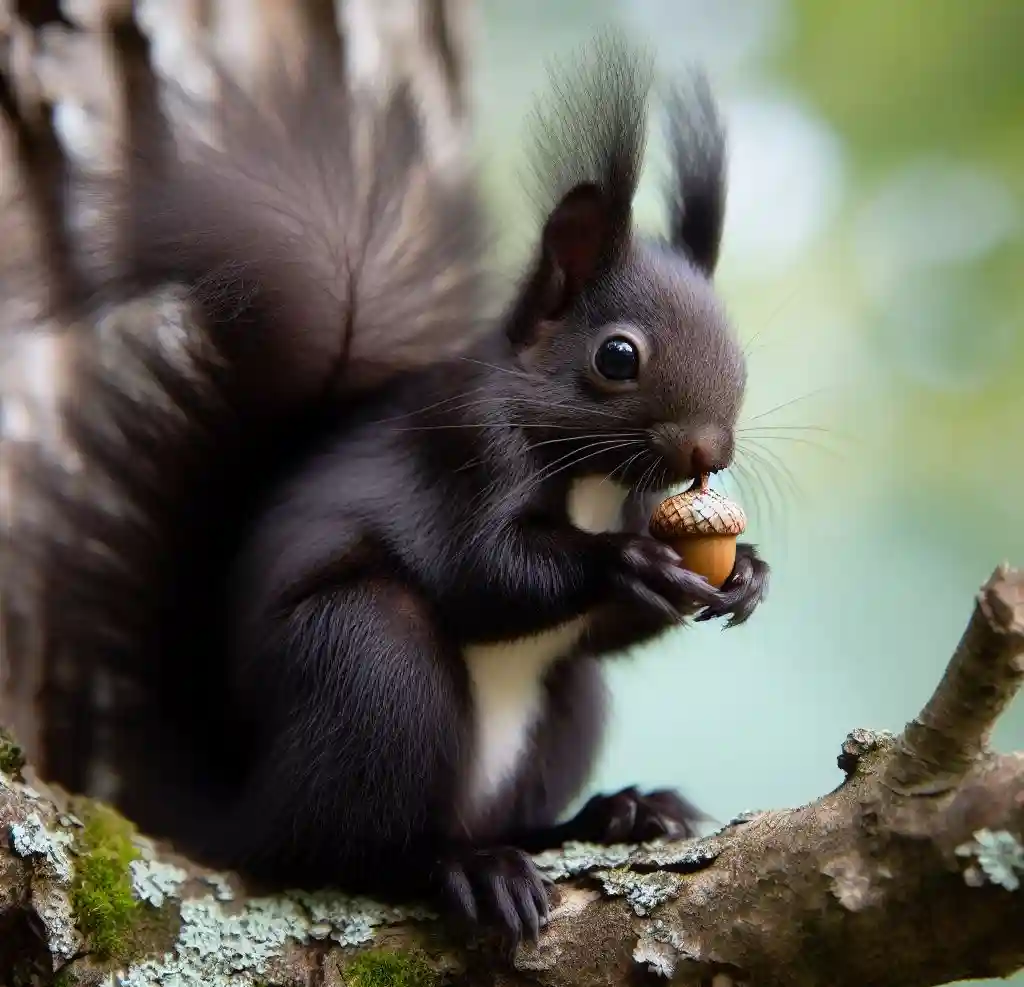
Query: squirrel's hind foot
(630,816)
(497,888)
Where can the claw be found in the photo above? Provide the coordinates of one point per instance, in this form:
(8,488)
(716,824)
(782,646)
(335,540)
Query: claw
(743,591)
(458,893)
(654,576)
(654,601)
(498,888)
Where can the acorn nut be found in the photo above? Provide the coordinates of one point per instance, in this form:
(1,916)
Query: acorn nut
(702,526)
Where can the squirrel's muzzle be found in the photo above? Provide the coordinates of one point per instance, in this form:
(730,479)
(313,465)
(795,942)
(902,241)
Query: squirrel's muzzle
(690,452)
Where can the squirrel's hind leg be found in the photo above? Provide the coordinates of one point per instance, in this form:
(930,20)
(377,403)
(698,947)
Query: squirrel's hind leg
(357,717)
(358,777)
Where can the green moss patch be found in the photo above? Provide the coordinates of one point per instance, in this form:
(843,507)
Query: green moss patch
(12,757)
(101,893)
(387,968)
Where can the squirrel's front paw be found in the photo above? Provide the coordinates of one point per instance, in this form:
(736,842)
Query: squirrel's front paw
(744,590)
(497,888)
(652,574)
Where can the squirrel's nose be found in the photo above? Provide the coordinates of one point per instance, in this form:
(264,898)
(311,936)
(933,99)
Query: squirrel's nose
(702,458)
(694,451)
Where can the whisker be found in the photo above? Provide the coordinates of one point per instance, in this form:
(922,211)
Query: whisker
(521,375)
(487,400)
(780,480)
(623,466)
(785,428)
(779,464)
(731,478)
(598,445)
(771,510)
(639,485)
(662,478)
(514,403)
(636,433)
(534,378)
(431,407)
(648,474)
(821,447)
(748,479)
(784,405)
(484,425)
(769,471)
(546,473)
(588,412)
(770,321)
(574,458)
(511,371)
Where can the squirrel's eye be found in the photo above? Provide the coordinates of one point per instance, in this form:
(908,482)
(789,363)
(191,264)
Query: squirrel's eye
(617,359)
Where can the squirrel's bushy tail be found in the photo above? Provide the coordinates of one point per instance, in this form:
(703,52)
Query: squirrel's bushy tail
(305,254)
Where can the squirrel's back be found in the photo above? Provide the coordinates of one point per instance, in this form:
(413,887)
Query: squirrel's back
(302,258)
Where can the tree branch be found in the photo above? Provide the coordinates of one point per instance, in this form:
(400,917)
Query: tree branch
(938,747)
(908,873)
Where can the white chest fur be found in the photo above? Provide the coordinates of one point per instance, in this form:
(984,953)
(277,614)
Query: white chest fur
(507,679)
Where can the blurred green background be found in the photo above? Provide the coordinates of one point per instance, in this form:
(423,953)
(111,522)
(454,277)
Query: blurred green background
(874,262)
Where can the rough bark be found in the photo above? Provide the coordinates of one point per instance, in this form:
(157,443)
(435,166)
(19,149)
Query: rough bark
(908,873)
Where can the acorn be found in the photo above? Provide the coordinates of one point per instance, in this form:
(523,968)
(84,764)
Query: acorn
(702,526)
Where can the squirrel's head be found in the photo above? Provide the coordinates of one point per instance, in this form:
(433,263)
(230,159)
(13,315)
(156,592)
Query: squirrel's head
(624,335)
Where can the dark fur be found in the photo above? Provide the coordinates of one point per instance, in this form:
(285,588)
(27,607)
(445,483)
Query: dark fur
(290,526)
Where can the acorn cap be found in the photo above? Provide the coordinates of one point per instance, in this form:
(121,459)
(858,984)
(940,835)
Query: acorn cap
(698,511)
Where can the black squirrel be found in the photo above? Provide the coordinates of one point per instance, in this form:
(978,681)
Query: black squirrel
(345,556)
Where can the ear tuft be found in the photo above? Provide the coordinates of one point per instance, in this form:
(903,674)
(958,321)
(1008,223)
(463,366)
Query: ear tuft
(698,190)
(589,142)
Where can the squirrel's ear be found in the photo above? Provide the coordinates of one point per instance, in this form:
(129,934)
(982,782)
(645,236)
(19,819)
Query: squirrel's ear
(575,240)
(587,156)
